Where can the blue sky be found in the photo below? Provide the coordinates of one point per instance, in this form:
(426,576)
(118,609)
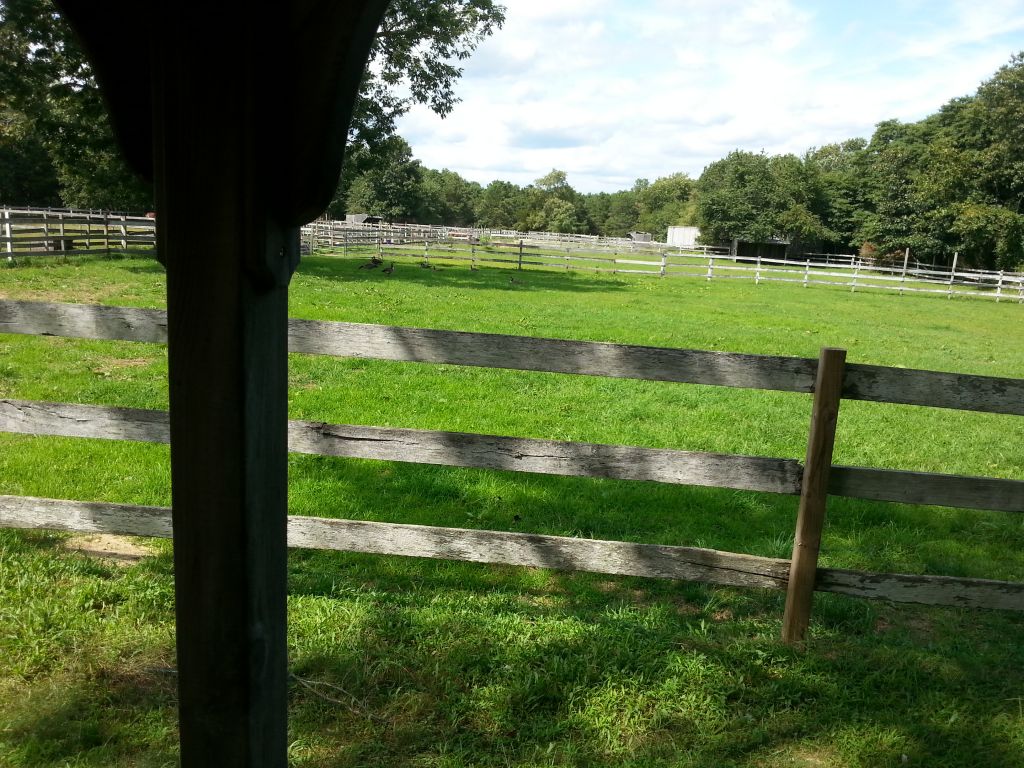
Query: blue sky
(610,91)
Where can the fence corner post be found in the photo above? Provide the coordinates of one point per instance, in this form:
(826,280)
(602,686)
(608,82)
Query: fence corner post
(828,386)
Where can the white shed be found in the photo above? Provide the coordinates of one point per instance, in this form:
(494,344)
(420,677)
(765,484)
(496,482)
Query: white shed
(683,237)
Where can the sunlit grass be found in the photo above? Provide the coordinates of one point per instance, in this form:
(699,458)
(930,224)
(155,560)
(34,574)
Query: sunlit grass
(452,664)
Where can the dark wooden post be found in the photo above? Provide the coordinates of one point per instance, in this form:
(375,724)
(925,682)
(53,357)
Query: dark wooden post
(227,316)
(242,130)
(813,494)
(520,267)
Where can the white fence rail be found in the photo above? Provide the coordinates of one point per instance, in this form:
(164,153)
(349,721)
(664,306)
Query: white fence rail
(28,233)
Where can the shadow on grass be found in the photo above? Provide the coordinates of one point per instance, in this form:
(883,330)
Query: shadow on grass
(490,676)
(406,662)
(347,269)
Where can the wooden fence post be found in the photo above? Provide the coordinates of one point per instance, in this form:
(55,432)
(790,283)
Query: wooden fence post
(711,267)
(807,270)
(124,233)
(757,270)
(999,287)
(952,274)
(520,267)
(813,494)
(664,262)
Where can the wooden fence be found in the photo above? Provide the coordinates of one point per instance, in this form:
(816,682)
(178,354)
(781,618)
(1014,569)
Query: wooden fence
(33,232)
(829,379)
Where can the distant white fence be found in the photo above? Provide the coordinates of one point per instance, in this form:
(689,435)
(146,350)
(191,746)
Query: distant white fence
(34,232)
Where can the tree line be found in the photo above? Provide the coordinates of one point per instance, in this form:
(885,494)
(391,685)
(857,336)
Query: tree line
(952,183)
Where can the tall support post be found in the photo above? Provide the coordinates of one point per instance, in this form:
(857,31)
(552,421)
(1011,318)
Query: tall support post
(828,387)
(228,264)
(520,266)
(244,125)
(999,287)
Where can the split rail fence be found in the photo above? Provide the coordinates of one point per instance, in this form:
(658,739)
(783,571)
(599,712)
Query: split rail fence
(829,379)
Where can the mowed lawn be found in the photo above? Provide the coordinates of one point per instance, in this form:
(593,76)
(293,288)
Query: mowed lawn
(403,662)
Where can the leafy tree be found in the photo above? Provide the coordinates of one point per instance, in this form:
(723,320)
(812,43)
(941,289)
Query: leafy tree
(759,198)
(27,176)
(392,189)
(447,198)
(44,76)
(667,202)
(500,205)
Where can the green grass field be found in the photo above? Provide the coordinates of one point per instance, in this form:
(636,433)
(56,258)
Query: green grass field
(403,662)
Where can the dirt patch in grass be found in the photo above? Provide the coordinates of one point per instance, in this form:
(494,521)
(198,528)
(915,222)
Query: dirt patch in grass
(116,550)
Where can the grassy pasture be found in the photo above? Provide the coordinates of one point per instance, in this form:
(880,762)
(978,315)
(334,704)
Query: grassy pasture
(403,662)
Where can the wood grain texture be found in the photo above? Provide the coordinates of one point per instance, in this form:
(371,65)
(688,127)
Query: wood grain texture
(813,494)
(532,550)
(83,321)
(539,456)
(926,590)
(456,449)
(553,355)
(862,382)
(959,391)
(547,456)
(928,488)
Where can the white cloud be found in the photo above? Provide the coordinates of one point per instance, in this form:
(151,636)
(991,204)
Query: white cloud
(613,91)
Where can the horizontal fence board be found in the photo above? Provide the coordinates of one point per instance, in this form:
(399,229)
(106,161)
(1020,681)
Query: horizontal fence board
(548,457)
(84,516)
(83,321)
(862,382)
(551,355)
(555,552)
(533,550)
(908,386)
(927,488)
(456,449)
(523,549)
(925,590)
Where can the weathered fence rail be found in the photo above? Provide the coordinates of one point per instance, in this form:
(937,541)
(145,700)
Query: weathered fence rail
(765,474)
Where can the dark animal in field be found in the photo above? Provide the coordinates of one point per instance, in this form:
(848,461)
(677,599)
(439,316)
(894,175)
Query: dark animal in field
(373,263)
(389,270)
(425,265)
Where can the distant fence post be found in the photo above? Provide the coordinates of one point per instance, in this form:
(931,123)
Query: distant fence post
(664,262)
(856,272)
(757,270)
(903,277)
(520,255)
(999,287)
(8,234)
(807,270)
(711,267)
(803,569)
(124,233)
(952,274)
